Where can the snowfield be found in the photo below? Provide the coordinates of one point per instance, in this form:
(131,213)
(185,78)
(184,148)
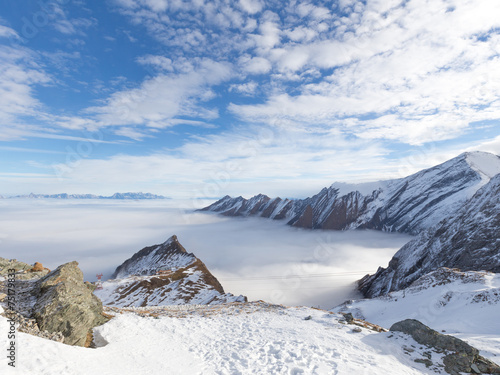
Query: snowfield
(463,304)
(250,338)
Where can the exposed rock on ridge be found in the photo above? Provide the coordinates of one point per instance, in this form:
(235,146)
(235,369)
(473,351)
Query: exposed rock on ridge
(459,356)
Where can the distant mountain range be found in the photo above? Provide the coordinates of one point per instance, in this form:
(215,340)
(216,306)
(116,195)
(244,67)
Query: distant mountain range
(89,196)
(408,205)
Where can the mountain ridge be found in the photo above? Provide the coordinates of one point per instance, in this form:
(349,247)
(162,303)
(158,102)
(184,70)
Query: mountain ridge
(129,195)
(164,274)
(408,205)
(468,240)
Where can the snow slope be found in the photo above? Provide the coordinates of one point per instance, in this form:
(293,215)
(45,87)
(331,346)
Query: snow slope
(251,338)
(465,304)
(409,204)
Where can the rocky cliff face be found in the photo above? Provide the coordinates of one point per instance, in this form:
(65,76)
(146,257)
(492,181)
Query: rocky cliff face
(408,205)
(468,240)
(163,274)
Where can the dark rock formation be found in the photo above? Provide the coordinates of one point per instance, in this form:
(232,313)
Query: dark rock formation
(468,240)
(459,357)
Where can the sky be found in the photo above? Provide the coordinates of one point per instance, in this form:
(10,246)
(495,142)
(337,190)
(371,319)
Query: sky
(199,98)
(255,257)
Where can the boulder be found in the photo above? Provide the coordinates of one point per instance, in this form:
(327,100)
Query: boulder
(460,357)
(38,267)
(65,304)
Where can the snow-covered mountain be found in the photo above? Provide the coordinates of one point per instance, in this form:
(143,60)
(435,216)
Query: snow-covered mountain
(469,240)
(139,195)
(464,304)
(409,204)
(163,274)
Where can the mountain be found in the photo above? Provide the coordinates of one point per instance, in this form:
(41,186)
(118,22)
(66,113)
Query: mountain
(92,196)
(164,274)
(410,205)
(469,240)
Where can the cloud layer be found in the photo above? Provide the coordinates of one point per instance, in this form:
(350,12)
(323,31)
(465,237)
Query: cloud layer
(259,258)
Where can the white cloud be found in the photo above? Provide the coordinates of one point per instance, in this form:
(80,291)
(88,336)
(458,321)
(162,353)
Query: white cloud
(251,6)
(418,74)
(164,97)
(7,32)
(74,26)
(255,65)
(248,88)
(161,62)
(19,75)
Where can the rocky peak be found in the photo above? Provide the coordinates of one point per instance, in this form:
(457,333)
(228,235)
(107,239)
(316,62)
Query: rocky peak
(163,274)
(170,254)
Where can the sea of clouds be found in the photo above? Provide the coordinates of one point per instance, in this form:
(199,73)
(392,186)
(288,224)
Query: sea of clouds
(259,258)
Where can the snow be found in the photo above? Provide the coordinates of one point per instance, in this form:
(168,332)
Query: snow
(464,304)
(134,291)
(487,165)
(253,338)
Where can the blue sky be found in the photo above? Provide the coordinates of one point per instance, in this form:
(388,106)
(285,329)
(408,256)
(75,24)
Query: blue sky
(195,98)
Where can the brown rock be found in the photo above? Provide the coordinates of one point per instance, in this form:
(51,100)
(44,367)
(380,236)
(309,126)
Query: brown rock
(38,267)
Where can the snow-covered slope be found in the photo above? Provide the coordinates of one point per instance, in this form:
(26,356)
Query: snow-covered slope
(252,338)
(409,205)
(465,304)
(163,274)
(469,240)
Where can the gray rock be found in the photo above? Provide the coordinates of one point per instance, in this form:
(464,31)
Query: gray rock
(348,317)
(65,304)
(460,356)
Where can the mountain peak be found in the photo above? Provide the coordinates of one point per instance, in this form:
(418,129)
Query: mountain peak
(170,254)
(163,275)
(174,241)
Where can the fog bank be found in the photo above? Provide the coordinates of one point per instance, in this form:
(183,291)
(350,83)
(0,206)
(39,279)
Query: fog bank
(260,258)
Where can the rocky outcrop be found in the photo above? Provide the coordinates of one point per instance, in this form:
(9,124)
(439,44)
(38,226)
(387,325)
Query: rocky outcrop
(23,271)
(164,274)
(459,357)
(65,304)
(55,304)
(468,240)
(408,205)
